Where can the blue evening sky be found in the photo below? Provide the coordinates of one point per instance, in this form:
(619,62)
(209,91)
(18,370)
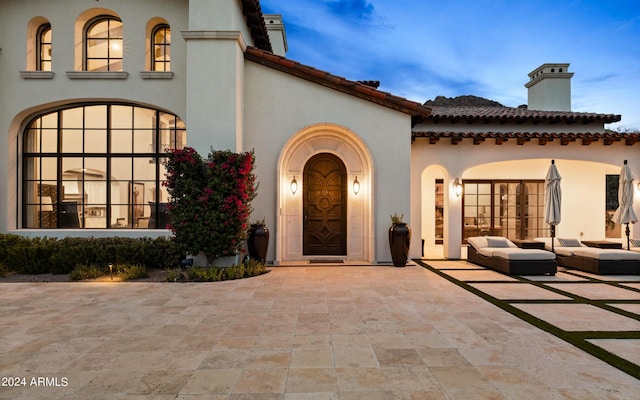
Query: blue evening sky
(420,49)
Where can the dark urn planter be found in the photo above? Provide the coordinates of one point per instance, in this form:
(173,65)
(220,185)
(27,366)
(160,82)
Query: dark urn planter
(399,241)
(258,242)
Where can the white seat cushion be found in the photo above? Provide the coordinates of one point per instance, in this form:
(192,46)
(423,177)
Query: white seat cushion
(523,254)
(606,254)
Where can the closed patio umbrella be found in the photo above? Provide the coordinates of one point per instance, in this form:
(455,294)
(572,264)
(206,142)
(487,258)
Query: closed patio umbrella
(625,214)
(552,199)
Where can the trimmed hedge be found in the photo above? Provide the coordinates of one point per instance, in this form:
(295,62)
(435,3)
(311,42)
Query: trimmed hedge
(61,256)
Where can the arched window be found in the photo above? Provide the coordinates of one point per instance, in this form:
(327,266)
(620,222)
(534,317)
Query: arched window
(98,166)
(103,44)
(161,48)
(43,48)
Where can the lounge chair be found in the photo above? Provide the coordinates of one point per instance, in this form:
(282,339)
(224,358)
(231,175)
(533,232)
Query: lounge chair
(503,255)
(573,254)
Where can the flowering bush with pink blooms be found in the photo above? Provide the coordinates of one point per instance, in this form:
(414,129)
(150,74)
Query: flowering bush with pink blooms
(210,200)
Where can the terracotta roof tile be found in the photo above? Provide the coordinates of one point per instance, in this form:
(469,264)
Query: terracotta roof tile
(359,89)
(255,21)
(510,114)
(586,138)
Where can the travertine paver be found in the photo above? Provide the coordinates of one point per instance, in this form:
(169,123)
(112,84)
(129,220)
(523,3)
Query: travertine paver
(520,291)
(597,291)
(296,333)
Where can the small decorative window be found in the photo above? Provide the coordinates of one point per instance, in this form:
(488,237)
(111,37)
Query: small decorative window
(103,44)
(43,46)
(161,48)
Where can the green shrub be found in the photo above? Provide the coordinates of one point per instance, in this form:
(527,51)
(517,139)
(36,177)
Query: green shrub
(82,272)
(214,274)
(254,268)
(88,258)
(61,256)
(128,272)
(7,242)
(176,275)
(30,256)
(205,274)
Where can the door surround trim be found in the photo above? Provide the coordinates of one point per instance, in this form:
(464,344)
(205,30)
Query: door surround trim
(351,149)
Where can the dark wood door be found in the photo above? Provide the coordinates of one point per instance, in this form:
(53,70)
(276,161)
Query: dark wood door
(325,206)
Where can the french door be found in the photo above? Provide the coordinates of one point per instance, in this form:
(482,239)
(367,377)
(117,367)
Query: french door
(509,208)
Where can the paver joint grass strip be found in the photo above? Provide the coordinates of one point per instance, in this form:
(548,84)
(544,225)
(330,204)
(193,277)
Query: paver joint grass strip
(578,339)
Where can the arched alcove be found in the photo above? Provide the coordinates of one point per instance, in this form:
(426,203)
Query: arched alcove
(353,152)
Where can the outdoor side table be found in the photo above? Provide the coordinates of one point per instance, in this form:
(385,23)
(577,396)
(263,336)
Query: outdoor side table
(528,244)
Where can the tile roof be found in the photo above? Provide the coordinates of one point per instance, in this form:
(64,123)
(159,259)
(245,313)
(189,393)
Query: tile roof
(521,138)
(253,12)
(518,115)
(362,90)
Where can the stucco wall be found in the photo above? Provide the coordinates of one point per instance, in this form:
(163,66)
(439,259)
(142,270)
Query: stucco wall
(583,170)
(21,97)
(278,106)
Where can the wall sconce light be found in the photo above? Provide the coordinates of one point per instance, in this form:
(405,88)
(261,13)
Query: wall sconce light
(457,187)
(356,186)
(294,185)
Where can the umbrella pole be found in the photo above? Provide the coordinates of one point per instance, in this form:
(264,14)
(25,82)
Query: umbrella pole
(628,232)
(553,235)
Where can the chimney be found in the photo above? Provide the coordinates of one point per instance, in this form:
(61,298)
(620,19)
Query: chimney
(277,34)
(550,88)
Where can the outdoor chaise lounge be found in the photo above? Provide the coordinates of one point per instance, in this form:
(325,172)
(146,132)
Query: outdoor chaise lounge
(573,254)
(503,255)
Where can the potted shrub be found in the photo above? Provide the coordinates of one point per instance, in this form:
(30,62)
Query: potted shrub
(399,240)
(258,241)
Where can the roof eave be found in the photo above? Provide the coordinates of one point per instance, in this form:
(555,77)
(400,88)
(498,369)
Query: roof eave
(255,21)
(416,110)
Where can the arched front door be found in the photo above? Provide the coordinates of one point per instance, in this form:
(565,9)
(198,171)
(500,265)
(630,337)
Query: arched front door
(325,206)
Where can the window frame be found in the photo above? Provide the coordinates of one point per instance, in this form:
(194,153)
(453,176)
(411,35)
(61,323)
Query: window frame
(42,30)
(525,226)
(108,59)
(40,191)
(165,46)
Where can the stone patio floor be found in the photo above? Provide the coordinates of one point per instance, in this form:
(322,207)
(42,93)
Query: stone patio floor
(320,333)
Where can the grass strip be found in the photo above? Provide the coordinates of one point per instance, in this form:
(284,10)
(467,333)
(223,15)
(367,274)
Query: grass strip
(577,339)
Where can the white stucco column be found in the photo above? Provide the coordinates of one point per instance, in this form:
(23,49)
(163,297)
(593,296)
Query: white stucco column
(216,41)
(416,210)
(215,86)
(452,219)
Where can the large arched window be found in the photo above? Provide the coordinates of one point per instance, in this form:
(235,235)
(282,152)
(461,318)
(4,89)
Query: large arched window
(98,166)
(103,44)
(43,48)
(161,48)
